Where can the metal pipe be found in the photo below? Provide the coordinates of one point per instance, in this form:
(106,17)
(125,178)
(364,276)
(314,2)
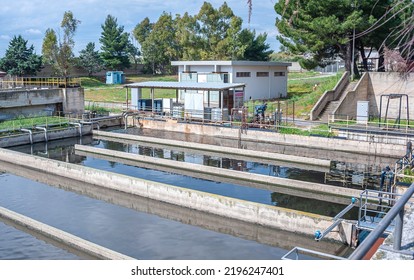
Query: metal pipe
(367,244)
(78,125)
(44,129)
(398,230)
(30,134)
(91,123)
(346,209)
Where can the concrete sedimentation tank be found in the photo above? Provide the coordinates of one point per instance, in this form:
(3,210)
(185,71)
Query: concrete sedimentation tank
(268,216)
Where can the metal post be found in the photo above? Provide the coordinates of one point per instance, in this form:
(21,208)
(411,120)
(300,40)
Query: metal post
(152,100)
(379,121)
(126,98)
(398,230)
(353,55)
(286,114)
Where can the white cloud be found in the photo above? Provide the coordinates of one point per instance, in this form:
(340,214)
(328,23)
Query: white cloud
(5,37)
(33,31)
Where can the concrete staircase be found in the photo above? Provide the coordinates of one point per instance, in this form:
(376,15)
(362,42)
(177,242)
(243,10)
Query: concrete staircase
(332,105)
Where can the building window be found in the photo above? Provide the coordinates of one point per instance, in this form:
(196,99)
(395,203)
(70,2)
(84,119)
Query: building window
(280,74)
(262,74)
(243,74)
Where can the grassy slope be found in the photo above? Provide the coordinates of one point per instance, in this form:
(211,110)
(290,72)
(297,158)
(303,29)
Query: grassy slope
(96,90)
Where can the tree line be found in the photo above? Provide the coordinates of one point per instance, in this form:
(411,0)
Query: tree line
(322,31)
(212,34)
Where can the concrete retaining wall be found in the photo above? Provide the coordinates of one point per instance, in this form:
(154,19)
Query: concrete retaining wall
(333,144)
(387,83)
(64,238)
(272,216)
(370,88)
(27,102)
(328,96)
(73,100)
(39,136)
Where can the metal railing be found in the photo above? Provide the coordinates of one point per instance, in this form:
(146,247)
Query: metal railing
(38,83)
(374,205)
(348,122)
(295,254)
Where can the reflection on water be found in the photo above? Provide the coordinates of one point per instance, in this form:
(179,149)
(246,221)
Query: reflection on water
(215,161)
(17,245)
(65,152)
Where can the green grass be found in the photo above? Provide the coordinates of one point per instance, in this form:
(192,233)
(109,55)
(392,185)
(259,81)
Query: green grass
(97,91)
(301,75)
(23,122)
(305,94)
(321,130)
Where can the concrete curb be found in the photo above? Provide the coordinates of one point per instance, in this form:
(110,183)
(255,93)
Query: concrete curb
(62,237)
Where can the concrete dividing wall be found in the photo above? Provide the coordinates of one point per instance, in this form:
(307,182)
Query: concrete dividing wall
(266,215)
(221,152)
(158,163)
(67,240)
(225,150)
(333,144)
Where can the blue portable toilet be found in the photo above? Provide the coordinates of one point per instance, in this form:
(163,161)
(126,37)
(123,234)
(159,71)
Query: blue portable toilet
(114,77)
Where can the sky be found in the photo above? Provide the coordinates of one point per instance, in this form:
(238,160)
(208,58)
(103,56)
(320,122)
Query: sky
(31,18)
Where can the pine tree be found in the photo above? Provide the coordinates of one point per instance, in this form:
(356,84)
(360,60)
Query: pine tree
(114,45)
(19,59)
(90,59)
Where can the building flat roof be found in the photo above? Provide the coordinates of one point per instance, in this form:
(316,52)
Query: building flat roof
(186,85)
(231,63)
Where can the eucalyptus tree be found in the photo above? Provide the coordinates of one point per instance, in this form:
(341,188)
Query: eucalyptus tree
(58,49)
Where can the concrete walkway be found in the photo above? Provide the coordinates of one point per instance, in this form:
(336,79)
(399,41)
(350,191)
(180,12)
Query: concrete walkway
(385,251)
